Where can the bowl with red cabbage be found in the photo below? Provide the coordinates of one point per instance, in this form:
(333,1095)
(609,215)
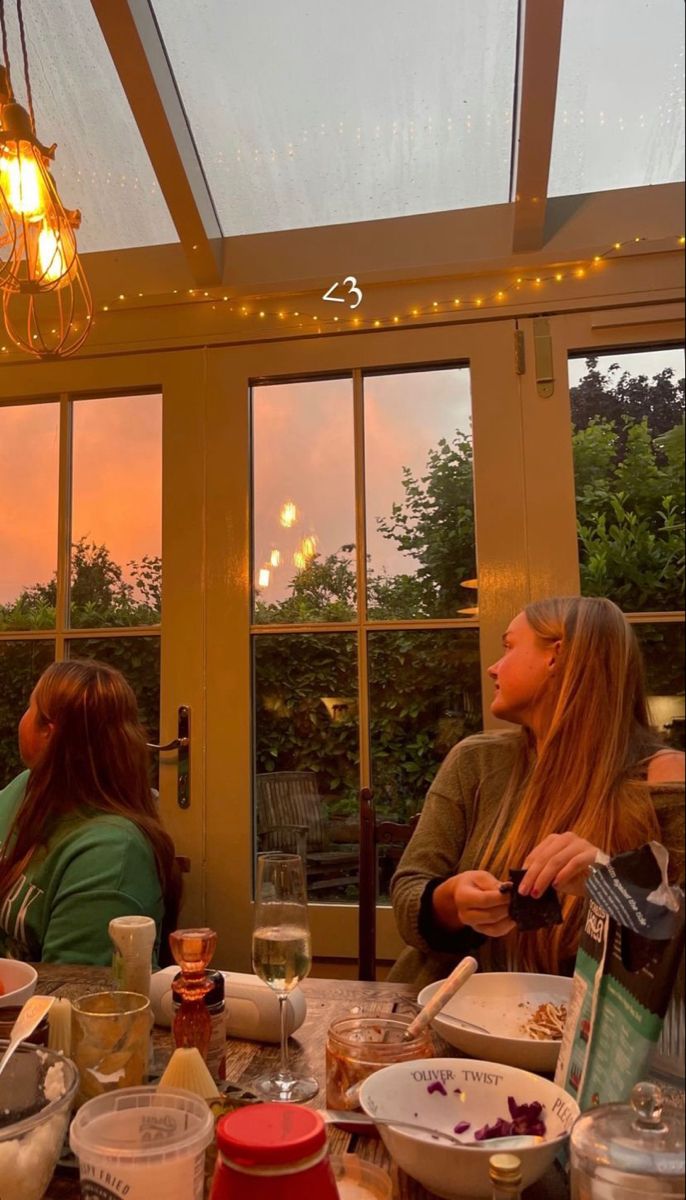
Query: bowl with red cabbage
(476,1102)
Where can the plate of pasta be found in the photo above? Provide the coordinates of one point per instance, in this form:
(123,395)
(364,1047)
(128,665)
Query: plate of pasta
(507,1017)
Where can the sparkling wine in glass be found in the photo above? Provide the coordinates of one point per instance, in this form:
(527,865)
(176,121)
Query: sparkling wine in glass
(282,956)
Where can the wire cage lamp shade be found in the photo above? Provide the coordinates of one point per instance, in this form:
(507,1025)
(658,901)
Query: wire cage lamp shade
(46,301)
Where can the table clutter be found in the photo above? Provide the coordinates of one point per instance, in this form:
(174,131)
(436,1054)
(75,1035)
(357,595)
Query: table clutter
(190,1115)
(246,1060)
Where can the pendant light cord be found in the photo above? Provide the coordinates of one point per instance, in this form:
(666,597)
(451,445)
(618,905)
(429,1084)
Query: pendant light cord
(5,49)
(25,54)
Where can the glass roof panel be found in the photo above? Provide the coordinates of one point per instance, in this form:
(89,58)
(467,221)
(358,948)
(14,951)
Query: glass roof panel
(619,119)
(311,114)
(101,165)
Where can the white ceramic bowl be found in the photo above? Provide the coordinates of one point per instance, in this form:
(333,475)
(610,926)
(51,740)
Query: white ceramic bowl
(476,1092)
(18,981)
(501,1001)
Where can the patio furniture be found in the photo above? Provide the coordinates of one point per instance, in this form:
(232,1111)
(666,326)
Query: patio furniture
(292,816)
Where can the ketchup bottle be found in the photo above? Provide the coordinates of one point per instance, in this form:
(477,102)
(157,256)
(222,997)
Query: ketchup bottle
(273,1152)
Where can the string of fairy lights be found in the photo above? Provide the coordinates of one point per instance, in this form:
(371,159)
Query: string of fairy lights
(457,300)
(520,285)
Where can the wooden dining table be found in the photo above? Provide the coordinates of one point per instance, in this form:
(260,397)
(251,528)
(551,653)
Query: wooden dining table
(246,1061)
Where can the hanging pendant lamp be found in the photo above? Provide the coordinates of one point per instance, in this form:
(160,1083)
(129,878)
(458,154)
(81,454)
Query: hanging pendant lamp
(46,301)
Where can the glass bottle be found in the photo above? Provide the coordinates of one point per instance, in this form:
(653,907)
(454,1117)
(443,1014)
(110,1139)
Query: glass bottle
(192,950)
(215,1002)
(505,1171)
(133,940)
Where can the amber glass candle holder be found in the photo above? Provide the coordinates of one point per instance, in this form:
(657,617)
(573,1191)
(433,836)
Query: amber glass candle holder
(192,950)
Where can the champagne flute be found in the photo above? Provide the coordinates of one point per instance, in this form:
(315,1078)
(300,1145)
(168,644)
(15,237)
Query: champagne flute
(282,956)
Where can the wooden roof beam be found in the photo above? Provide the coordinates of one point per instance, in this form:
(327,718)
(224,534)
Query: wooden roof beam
(135,44)
(539,64)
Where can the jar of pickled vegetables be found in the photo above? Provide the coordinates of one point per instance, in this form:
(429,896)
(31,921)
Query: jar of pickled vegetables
(357,1046)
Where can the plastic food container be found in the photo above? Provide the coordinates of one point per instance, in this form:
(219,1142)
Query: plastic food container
(629,1152)
(37,1090)
(356,1047)
(142,1143)
(359,1180)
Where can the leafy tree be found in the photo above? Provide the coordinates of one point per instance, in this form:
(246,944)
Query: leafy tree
(435,525)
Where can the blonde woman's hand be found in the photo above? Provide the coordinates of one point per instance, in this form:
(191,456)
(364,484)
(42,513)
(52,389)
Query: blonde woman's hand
(473,898)
(561,859)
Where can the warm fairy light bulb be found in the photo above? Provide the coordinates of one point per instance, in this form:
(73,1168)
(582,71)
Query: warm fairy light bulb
(20,180)
(288,515)
(275,558)
(299,560)
(263,577)
(309,546)
(54,258)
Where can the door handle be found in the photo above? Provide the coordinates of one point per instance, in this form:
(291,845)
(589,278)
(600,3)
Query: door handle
(182,743)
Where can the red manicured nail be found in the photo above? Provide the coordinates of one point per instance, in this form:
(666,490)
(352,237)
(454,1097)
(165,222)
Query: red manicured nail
(536,893)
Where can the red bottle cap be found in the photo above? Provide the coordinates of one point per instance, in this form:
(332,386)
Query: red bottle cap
(263,1135)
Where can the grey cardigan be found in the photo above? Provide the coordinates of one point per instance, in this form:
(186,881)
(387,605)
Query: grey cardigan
(459,813)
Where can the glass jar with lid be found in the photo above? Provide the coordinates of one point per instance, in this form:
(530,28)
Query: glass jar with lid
(629,1152)
(357,1046)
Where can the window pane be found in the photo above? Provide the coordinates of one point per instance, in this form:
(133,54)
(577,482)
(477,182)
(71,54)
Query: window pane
(307,756)
(663,651)
(312,114)
(117,512)
(628,437)
(619,117)
(420,494)
(29,471)
(424,695)
(21,665)
(138,659)
(303,502)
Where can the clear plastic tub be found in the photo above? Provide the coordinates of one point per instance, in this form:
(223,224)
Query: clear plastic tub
(359,1180)
(141,1142)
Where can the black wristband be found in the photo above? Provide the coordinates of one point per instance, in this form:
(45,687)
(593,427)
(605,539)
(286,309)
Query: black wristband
(444,941)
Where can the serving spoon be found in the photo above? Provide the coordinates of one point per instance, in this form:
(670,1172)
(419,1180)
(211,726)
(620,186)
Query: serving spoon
(31,1015)
(513,1142)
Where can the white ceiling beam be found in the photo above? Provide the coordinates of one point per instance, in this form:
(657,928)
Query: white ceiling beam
(540,59)
(135,44)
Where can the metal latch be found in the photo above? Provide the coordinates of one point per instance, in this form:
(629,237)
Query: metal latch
(181,743)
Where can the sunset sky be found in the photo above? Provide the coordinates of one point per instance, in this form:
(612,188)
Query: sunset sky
(303,453)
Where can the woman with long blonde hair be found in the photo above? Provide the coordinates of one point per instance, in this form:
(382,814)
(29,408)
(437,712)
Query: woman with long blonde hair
(584,774)
(81,840)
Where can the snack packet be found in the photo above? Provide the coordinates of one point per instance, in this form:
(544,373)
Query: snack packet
(530,913)
(625,972)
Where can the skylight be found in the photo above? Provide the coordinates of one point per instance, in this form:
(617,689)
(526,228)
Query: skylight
(313,114)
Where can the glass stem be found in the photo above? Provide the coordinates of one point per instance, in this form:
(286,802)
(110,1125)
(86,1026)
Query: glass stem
(283,1013)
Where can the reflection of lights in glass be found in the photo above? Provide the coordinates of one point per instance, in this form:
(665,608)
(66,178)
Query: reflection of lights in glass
(468,612)
(299,560)
(275,558)
(288,515)
(470,583)
(263,577)
(309,546)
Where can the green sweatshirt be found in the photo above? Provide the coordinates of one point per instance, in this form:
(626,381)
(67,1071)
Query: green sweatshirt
(92,868)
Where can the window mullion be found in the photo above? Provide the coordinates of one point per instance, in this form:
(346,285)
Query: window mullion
(361,562)
(64,525)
